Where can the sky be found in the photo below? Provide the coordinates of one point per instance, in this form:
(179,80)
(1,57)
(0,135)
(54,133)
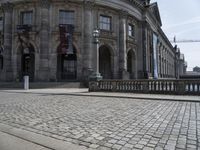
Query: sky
(181,18)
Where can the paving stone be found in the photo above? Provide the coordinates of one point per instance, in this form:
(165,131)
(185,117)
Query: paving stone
(116,146)
(94,146)
(138,146)
(148,148)
(105,123)
(121,142)
(113,141)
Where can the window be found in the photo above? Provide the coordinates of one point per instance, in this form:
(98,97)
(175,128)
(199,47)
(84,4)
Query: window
(131,30)
(26,18)
(66,17)
(105,23)
(1,24)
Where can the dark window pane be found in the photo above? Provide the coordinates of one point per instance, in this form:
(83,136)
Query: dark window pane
(27,18)
(66,17)
(131,30)
(1,23)
(105,23)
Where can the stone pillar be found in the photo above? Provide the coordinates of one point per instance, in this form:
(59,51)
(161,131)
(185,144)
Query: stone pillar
(43,73)
(8,13)
(163,62)
(88,61)
(145,46)
(123,45)
(158,58)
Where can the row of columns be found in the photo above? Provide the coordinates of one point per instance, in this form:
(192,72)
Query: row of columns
(165,58)
(166,62)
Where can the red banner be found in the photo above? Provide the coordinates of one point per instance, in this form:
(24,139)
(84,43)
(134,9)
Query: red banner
(66,42)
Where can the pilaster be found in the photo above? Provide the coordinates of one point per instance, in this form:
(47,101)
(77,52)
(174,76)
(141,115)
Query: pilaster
(123,44)
(8,13)
(88,27)
(44,40)
(145,45)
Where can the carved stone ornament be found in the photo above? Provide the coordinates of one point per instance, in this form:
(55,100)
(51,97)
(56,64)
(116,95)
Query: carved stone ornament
(123,14)
(7,7)
(89,3)
(45,3)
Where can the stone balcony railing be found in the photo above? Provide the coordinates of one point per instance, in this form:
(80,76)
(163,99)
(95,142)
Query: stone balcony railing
(176,87)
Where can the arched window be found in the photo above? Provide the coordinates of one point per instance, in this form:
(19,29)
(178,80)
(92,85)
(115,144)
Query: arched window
(105,68)
(131,64)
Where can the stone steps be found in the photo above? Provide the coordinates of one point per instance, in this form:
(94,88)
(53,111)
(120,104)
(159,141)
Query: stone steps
(41,85)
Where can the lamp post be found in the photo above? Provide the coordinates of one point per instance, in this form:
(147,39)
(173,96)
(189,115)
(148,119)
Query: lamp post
(96,76)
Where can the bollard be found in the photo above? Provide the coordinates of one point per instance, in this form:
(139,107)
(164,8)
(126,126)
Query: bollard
(26,82)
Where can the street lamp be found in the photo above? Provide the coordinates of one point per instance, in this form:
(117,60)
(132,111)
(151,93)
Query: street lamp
(96,76)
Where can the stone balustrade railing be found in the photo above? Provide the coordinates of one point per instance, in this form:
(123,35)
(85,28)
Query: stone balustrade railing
(177,87)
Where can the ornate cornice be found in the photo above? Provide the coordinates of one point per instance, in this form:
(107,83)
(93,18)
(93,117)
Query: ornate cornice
(137,3)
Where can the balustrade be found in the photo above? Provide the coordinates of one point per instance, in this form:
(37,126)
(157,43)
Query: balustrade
(181,87)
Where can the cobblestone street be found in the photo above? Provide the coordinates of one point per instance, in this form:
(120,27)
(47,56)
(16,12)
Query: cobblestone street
(105,123)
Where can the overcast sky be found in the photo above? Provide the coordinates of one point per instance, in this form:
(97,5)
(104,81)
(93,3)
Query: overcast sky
(181,18)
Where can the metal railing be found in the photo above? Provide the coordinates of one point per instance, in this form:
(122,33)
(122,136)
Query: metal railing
(177,87)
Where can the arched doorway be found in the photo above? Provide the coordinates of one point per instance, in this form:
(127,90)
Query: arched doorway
(28,62)
(131,64)
(105,62)
(66,65)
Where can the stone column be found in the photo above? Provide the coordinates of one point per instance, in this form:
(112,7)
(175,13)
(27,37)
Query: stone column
(43,73)
(123,45)
(8,13)
(158,58)
(145,47)
(88,62)
(163,62)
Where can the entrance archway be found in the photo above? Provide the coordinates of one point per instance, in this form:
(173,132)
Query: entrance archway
(105,62)
(28,62)
(131,64)
(66,65)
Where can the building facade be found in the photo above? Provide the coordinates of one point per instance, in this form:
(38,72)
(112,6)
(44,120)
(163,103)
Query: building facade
(196,69)
(52,40)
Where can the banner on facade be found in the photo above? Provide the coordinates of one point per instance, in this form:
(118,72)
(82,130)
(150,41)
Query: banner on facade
(66,39)
(155,42)
(23,29)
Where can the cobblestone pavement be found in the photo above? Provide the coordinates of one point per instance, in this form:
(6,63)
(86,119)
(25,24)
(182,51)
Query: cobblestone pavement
(105,123)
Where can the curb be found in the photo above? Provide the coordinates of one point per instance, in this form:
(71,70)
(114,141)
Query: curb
(109,96)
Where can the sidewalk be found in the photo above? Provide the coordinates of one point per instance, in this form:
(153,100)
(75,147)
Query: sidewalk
(9,142)
(12,138)
(84,92)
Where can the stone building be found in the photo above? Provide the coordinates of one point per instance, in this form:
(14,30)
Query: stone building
(181,64)
(51,40)
(196,69)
